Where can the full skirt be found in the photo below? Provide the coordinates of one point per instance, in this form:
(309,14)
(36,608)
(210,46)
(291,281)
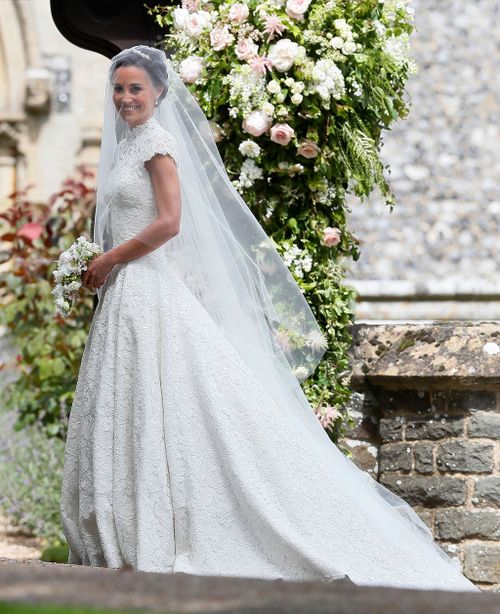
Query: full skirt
(178,460)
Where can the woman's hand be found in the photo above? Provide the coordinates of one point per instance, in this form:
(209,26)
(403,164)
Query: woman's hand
(97,272)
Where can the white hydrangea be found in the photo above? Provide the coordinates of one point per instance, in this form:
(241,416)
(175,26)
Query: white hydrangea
(356,88)
(297,260)
(247,90)
(329,79)
(398,49)
(343,28)
(249,149)
(391,7)
(249,173)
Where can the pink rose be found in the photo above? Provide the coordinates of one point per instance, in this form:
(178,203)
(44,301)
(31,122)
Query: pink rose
(220,38)
(197,22)
(307,149)
(256,123)
(238,13)
(282,133)
(296,8)
(331,236)
(246,49)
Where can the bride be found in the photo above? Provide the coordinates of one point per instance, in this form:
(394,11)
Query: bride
(191,446)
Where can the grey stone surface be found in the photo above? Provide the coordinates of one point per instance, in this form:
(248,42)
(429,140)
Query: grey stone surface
(423,455)
(487,491)
(459,356)
(484,424)
(482,562)
(180,592)
(396,457)
(445,162)
(391,429)
(429,491)
(457,524)
(437,427)
(472,401)
(465,456)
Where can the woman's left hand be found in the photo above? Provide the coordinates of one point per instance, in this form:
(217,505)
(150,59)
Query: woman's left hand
(97,272)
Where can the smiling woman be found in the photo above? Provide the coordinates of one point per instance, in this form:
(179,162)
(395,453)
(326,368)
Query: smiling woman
(135,96)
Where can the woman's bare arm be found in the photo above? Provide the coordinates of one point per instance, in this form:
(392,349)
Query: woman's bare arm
(165,181)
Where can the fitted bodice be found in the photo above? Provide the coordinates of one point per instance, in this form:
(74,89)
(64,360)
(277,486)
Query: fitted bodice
(128,189)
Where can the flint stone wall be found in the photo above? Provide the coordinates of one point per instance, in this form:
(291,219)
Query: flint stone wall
(427,412)
(436,255)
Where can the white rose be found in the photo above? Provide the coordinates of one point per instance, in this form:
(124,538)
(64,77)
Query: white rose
(190,69)
(280,97)
(268,108)
(349,47)
(283,54)
(336,42)
(180,18)
(296,98)
(273,87)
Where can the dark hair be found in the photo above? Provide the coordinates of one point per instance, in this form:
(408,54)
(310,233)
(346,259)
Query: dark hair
(153,65)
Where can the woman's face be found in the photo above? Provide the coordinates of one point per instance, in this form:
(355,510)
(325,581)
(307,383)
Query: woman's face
(134,96)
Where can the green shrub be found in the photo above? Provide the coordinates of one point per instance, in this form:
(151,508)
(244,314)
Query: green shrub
(49,347)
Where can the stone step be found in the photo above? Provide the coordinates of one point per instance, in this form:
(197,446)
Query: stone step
(38,582)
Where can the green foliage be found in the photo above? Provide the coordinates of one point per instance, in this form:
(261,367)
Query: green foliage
(55,554)
(49,347)
(31,478)
(344,86)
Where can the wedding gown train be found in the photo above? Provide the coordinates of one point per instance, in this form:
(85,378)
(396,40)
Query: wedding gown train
(178,460)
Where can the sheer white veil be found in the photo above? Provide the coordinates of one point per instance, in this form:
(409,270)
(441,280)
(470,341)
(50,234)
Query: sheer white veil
(232,268)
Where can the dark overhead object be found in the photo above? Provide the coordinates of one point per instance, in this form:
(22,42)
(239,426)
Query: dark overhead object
(106,26)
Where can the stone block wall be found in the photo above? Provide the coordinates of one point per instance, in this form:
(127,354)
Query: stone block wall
(427,412)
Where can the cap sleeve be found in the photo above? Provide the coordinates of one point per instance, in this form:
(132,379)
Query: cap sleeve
(158,143)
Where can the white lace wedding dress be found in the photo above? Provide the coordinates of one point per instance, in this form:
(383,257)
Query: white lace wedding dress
(177,459)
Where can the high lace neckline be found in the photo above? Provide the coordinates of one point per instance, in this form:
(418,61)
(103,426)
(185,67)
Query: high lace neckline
(136,130)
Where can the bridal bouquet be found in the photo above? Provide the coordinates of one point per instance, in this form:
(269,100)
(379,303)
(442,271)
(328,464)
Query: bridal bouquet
(71,263)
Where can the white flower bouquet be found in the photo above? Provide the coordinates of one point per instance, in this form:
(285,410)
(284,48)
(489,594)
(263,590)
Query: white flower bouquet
(71,263)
